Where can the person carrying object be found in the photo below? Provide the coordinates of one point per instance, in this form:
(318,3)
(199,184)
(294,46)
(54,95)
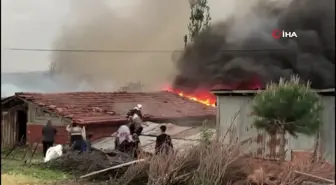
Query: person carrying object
(135,117)
(76,137)
(48,136)
(135,110)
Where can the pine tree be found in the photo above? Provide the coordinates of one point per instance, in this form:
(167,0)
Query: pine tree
(287,107)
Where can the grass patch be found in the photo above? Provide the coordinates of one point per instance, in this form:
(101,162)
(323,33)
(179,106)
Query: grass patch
(14,165)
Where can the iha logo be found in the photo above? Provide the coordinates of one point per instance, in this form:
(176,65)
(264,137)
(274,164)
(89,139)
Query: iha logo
(278,34)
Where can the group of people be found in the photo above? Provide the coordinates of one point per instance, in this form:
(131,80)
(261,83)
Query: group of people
(127,139)
(77,140)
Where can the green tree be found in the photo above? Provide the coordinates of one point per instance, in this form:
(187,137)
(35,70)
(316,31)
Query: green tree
(199,18)
(287,107)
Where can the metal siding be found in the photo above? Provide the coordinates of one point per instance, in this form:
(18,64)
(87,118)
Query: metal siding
(307,143)
(218,110)
(303,142)
(328,130)
(229,107)
(258,143)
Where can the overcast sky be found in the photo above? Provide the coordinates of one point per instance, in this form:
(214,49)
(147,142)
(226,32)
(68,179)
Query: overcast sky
(36,23)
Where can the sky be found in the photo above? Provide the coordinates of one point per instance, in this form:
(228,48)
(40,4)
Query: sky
(25,24)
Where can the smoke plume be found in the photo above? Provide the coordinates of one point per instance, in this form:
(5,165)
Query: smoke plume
(128,39)
(242,48)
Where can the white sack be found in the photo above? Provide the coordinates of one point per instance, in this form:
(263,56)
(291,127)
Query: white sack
(53,152)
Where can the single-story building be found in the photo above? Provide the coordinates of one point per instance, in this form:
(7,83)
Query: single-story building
(234,108)
(24,114)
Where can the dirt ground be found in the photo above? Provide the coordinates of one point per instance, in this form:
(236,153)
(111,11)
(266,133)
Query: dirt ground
(18,180)
(15,171)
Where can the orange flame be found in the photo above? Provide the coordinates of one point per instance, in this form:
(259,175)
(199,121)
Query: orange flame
(205,101)
(204,98)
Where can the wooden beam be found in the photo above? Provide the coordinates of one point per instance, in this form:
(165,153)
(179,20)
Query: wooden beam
(315,177)
(113,167)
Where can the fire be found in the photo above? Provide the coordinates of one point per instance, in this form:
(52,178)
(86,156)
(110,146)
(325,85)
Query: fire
(205,98)
(200,99)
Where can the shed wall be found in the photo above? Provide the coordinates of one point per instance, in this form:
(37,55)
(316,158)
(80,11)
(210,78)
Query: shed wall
(8,129)
(230,116)
(328,131)
(260,142)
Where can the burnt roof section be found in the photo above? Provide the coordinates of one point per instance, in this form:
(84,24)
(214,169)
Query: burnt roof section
(111,107)
(227,92)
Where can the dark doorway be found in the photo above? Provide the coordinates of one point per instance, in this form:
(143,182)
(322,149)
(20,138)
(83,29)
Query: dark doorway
(22,119)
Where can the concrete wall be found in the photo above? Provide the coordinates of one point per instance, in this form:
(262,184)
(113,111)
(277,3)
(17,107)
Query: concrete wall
(230,107)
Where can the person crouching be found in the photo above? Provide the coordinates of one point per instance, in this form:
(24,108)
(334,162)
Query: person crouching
(76,137)
(124,141)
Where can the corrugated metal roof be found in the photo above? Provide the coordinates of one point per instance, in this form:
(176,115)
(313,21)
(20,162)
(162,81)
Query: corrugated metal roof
(183,137)
(225,92)
(109,107)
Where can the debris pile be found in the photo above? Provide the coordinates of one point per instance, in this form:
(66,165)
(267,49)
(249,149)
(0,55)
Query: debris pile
(83,163)
(212,164)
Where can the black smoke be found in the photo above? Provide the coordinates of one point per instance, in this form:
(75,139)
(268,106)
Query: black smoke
(242,49)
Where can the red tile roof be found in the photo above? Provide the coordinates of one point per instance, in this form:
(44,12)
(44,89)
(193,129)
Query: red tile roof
(106,107)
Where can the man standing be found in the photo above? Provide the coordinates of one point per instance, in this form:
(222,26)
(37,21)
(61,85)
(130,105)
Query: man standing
(163,142)
(48,134)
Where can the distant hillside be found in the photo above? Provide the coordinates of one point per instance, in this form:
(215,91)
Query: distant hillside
(39,81)
(23,77)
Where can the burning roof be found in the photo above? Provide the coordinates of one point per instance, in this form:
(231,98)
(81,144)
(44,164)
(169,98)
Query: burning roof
(109,107)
